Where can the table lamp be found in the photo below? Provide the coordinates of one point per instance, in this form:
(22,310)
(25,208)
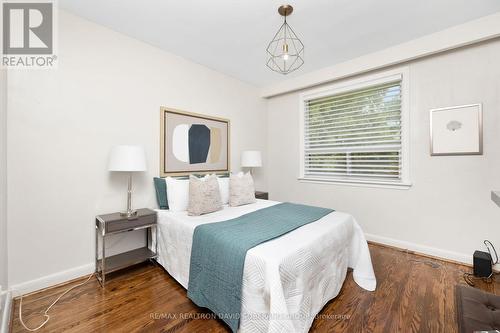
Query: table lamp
(251,159)
(127,158)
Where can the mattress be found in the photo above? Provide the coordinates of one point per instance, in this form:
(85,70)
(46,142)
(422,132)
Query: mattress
(287,280)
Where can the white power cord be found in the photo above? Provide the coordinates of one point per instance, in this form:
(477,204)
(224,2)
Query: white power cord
(47,317)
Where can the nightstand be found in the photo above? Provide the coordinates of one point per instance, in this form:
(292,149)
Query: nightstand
(261,195)
(112,224)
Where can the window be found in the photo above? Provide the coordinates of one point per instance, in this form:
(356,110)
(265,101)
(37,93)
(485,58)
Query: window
(356,133)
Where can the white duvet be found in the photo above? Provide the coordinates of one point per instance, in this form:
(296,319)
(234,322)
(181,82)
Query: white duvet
(286,281)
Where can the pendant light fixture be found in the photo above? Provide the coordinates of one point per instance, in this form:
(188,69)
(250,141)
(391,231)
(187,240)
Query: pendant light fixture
(285,51)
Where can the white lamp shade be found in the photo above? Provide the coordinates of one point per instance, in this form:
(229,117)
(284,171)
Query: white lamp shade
(251,159)
(127,158)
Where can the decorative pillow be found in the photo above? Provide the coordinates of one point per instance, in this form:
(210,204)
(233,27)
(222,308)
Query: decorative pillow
(204,195)
(241,189)
(177,194)
(224,189)
(161,192)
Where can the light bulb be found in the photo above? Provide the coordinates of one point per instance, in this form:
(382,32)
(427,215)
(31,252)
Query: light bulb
(285,52)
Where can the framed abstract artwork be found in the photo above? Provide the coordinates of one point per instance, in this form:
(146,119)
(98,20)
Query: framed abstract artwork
(456,130)
(193,143)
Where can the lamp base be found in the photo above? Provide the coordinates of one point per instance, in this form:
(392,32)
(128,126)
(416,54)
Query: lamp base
(132,214)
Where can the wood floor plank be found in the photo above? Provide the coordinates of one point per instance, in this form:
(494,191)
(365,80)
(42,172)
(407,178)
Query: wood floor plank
(414,294)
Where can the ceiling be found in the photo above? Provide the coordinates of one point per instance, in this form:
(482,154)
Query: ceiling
(231,36)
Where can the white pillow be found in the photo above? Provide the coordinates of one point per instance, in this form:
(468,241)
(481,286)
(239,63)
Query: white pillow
(177,194)
(224,189)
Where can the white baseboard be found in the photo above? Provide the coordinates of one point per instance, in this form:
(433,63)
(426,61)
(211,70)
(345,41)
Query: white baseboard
(5,308)
(432,251)
(51,280)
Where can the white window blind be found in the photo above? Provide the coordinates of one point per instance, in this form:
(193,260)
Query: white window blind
(355,135)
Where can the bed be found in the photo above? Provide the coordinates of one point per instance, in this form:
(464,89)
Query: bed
(287,280)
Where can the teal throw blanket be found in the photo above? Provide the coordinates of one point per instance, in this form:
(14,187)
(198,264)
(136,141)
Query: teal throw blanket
(219,250)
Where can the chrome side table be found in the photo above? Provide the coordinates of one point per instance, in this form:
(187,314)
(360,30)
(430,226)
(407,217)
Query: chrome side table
(112,224)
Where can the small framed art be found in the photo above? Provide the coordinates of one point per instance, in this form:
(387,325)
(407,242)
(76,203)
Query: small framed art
(456,130)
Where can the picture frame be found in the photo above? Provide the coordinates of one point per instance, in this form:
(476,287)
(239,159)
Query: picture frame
(192,143)
(456,130)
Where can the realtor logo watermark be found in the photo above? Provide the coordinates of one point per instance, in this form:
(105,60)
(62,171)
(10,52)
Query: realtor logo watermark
(28,34)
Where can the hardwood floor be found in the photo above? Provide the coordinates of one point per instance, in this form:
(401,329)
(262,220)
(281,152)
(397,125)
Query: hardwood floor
(414,294)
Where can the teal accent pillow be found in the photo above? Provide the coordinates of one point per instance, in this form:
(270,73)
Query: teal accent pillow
(161,192)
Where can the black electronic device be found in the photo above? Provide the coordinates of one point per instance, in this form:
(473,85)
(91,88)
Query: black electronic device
(482,264)
(483,261)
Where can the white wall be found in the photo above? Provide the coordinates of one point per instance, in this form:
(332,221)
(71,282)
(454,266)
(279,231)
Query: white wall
(448,211)
(107,90)
(3,180)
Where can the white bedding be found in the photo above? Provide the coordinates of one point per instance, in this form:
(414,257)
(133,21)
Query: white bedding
(286,281)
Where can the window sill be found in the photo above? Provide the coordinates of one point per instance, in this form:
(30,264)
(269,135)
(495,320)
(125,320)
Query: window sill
(357,183)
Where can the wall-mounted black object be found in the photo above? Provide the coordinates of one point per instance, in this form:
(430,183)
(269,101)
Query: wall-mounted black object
(482,264)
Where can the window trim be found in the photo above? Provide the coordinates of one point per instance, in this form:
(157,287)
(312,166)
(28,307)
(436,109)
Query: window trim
(401,73)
